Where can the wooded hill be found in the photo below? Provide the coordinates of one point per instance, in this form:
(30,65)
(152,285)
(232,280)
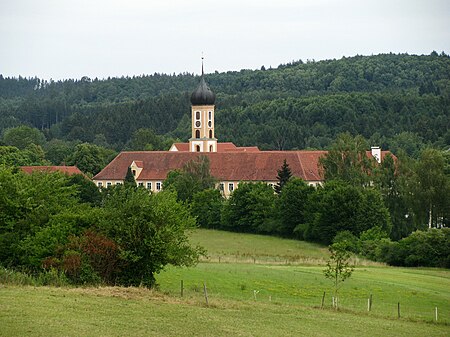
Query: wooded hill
(395,101)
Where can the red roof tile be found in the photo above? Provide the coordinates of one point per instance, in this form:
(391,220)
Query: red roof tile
(70,170)
(221,147)
(225,166)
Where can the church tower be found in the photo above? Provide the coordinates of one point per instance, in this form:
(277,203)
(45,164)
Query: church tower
(202,100)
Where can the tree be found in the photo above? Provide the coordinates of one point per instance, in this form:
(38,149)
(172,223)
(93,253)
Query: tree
(23,136)
(347,161)
(339,207)
(31,155)
(145,139)
(28,203)
(250,208)
(193,177)
(90,158)
(284,174)
(150,232)
(431,189)
(129,179)
(392,179)
(338,267)
(291,205)
(86,189)
(206,206)
(58,151)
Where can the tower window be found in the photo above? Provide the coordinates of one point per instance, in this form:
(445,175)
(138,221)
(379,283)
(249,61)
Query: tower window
(210,124)
(197,115)
(197,133)
(198,148)
(210,148)
(210,133)
(209,115)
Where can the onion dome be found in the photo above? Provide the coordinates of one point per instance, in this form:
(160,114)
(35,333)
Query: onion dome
(203,95)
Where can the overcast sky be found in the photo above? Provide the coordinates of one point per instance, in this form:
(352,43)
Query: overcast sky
(99,38)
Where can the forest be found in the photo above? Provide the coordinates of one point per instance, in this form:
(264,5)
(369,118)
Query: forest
(394,101)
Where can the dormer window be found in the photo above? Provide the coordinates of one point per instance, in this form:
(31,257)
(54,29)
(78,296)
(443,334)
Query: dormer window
(134,172)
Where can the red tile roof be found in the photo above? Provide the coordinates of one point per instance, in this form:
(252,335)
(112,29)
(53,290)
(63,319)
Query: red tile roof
(70,170)
(221,147)
(225,166)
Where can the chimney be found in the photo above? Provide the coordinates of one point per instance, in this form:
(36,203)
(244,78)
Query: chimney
(376,153)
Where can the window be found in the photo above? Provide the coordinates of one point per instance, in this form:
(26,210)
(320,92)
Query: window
(197,115)
(271,185)
(230,187)
(209,115)
(134,172)
(140,184)
(210,124)
(99,184)
(221,186)
(210,133)
(197,133)
(118,183)
(149,186)
(211,148)
(158,186)
(198,148)
(108,184)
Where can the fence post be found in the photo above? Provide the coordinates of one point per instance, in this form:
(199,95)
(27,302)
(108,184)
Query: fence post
(181,288)
(323,299)
(206,293)
(370,306)
(436,313)
(398,309)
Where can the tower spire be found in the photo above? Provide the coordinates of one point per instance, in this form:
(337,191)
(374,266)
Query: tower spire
(202,64)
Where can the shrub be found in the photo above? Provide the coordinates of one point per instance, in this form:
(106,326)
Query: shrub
(348,241)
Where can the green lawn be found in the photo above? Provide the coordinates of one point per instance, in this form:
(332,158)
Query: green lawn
(285,275)
(43,311)
(242,247)
(419,291)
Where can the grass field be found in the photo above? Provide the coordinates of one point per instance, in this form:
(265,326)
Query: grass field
(242,247)
(287,303)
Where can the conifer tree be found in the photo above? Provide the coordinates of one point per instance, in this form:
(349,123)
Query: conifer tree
(284,174)
(129,179)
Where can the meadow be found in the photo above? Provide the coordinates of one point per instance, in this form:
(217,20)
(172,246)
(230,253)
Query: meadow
(263,286)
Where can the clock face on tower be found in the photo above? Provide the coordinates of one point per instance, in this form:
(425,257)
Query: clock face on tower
(197,124)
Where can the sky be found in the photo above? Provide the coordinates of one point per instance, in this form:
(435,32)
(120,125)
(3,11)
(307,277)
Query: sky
(61,39)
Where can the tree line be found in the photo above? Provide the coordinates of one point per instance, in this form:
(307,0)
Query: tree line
(389,99)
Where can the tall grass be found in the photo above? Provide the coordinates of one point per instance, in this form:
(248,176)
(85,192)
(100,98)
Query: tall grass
(47,278)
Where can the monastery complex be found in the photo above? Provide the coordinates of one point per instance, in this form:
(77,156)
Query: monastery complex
(229,164)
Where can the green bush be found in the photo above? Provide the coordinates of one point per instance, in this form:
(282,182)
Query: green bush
(347,240)
(429,248)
